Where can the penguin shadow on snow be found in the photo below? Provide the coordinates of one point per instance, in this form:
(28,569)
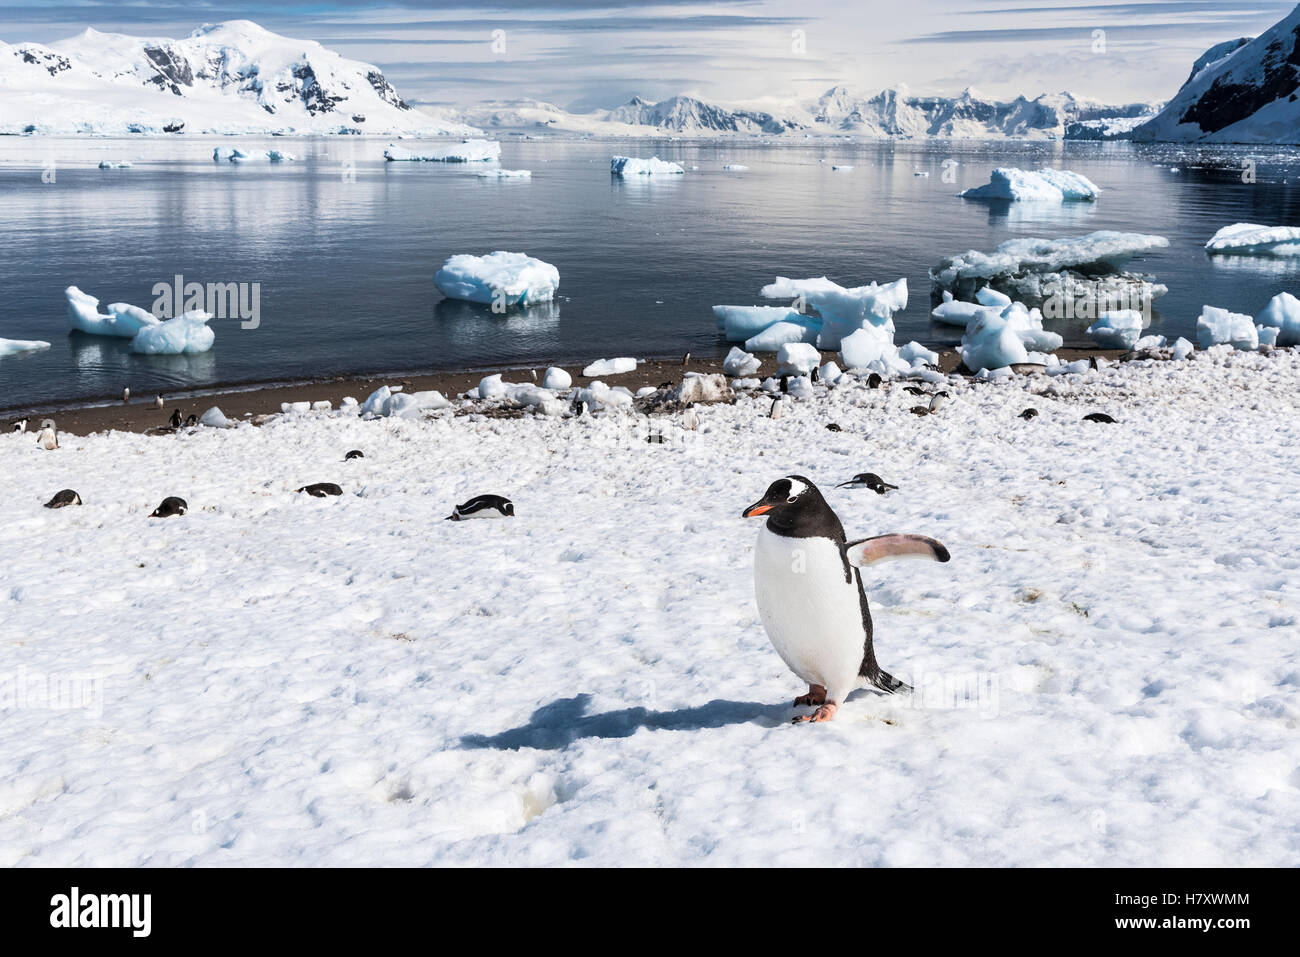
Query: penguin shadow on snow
(557,725)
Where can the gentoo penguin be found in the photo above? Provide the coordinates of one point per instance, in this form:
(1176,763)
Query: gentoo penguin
(810,596)
(192,421)
(171,505)
(778,408)
(354,454)
(1097,417)
(126,396)
(868,480)
(874,380)
(159,403)
(64,498)
(175,421)
(937,400)
(833,427)
(48,438)
(321,489)
(1028,414)
(913,390)
(483,506)
(20,425)
(686,359)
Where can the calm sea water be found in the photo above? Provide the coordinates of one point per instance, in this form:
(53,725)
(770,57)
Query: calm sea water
(344,245)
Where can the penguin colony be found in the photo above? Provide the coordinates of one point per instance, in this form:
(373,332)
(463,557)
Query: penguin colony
(807,579)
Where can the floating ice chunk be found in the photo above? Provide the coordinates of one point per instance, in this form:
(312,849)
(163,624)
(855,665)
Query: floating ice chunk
(914,352)
(988,296)
(1251,239)
(739,323)
(114,164)
(506,174)
(797,358)
(1015,257)
(467,151)
(10,347)
(122,320)
(235,154)
(1283,314)
(1182,349)
(842,310)
(510,279)
(187,334)
(841,168)
(214,418)
(619,366)
(1218,326)
(1119,329)
(992,342)
(556,379)
(633,166)
(740,363)
(736,168)
(795,329)
(1044,185)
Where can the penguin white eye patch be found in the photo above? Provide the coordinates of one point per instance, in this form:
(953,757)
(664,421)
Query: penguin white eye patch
(883,547)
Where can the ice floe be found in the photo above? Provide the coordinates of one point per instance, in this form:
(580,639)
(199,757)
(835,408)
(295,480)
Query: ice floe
(235,154)
(1251,239)
(11,347)
(466,151)
(503,278)
(634,166)
(1044,185)
(187,334)
(506,173)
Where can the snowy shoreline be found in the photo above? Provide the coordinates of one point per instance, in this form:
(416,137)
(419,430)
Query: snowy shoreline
(1106,671)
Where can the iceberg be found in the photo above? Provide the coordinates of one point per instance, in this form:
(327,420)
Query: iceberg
(618,366)
(1283,314)
(954,312)
(234,154)
(842,311)
(187,334)
(1251,239)
(739,323)
(1096,253)
(114,164)
(800,329)
(1119,329)
(632,166)
(506,174)
(122,320)
(736,168)
(1217,326)
(1044,185)
(467,151)
(11,347)
(511,279)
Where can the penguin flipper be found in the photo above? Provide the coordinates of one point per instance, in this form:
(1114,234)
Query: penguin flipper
(888,683)
(865,551)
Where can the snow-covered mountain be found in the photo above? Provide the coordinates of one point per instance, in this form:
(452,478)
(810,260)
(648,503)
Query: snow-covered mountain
(891,113)
(232,77)
(1239,92)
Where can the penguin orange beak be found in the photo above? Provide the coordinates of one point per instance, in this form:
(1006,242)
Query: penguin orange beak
(758,508)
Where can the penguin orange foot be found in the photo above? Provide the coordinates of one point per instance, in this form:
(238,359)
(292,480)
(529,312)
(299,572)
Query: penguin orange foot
(816,696)
(823,713)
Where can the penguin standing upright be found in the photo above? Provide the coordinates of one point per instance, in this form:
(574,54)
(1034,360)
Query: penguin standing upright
(810,596)
(48,438)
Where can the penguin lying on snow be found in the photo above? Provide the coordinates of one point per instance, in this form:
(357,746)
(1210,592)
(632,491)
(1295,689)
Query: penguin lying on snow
(321,489)
(1097,417)
(19,426)
(483,506)
(64,498)
(354,454)
(810,596)
(869,480)
(171,505)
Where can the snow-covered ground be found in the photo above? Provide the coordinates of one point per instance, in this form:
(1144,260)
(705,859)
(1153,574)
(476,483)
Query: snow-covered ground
(1107,670)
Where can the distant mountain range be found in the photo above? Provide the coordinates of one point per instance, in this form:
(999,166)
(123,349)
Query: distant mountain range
(232,77)
(890,114)
(237,77)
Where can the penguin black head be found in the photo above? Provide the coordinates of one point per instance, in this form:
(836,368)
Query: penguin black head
(794,506)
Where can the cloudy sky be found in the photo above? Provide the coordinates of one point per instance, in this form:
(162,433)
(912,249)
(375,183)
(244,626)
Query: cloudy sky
(587,53)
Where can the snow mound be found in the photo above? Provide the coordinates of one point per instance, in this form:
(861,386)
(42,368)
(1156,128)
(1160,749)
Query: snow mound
(11,347)
(187,334)
(633,166)
(1217,326)
(1044,185)
(1251,239)
(1283,314)
(467,151)
(511,279)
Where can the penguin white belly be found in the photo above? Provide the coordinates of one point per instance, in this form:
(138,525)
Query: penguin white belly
(812,615)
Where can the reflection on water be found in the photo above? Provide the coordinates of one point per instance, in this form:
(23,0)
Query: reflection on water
(344,245)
